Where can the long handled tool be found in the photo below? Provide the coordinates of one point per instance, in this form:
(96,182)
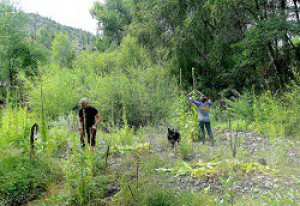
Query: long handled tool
(82,139)
(92,135)
(82,135)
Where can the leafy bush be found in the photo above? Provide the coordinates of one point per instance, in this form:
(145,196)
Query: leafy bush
(292,117)
(185,149)
(15,127)
(23,179)
(183,116)
(81,177)
(275,116)
(122,84)
(55,93)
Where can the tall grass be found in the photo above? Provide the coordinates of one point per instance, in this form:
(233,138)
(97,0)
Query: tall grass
(268,114)
(15,127)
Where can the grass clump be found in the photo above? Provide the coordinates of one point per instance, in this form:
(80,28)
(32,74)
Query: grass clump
(23,179)
(185,149)
(160,197)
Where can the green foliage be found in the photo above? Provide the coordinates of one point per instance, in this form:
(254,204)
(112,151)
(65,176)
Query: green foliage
(160,197)
(242,108)
(15,127)
(23,179)
(43,30)
(114,16)
(291,102)
(146,47)
(271,115)
(185,149)
(85,187)
(194,198)
(63,52)
(18,53)
(127,86)
(56,93)
(58,140)
(45,37)
(184,117)
(231,44)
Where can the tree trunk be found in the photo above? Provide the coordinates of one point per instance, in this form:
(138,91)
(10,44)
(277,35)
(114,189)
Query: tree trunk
(296,10)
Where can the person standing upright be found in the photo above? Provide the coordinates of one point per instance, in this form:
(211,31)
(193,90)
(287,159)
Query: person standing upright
(87,123)
(203,107)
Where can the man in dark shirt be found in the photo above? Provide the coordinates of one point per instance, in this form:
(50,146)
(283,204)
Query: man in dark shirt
(87,123)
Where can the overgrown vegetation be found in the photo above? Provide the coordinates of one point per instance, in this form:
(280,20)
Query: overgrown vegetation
(138,76)
(273,116)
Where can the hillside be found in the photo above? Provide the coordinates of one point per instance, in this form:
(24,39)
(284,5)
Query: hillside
(181,103)
(36,22)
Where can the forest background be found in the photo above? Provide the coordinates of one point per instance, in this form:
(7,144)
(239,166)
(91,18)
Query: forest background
(138,69)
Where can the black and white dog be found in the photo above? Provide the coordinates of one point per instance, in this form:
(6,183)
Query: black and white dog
(173,137)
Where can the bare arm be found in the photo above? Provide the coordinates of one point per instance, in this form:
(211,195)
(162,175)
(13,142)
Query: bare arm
(191,99)
(200,93)
(99,119)
(80,125)
(80,128)
(195,90)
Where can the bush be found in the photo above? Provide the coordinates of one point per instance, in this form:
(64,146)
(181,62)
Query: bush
(23,179)
(242,108)
(57,92)
(83,181)
(185,149)
(15,127)
(184,117)
(122,84)
(275,116)
(292,118)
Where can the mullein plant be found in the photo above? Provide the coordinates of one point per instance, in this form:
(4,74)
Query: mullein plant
(182,118)
(15,127)
(24,176)
(77,173)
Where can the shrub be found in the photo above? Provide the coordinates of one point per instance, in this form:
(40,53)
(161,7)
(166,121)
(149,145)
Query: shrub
(15,127)
(185,149)
(292,117)
(275,116)
(23,179)
(123,83)
(56,93)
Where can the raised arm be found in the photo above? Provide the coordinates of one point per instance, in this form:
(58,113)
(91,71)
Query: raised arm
(207,99)
(198,103)
(192,100)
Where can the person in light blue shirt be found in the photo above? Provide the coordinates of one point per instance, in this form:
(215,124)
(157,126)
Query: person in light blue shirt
(203,107)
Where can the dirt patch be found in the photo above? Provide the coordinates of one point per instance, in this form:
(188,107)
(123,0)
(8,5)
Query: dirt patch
(251,147)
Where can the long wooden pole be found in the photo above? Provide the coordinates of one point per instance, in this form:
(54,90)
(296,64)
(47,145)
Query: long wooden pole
(180,80)
(194,79)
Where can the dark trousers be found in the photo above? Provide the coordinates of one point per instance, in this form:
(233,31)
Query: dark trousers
(208,129)
(91,135)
